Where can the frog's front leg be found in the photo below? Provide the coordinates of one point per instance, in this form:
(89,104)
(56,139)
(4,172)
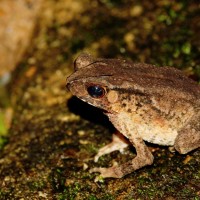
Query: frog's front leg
(144,156)
(118,143)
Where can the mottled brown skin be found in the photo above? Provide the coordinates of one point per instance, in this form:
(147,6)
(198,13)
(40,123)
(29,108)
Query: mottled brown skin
(144,103)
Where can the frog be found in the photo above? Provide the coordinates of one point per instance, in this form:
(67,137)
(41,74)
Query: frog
(145,103)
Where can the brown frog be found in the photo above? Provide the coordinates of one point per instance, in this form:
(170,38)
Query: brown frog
(144,103)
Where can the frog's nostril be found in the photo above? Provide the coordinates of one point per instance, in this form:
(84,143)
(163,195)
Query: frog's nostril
(68,86)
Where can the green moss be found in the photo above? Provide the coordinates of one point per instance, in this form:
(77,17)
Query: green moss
(70,192)
(57,179)
(171,15)
(186,48)
(3,129)
(91,148)
(37,185)
(92,197)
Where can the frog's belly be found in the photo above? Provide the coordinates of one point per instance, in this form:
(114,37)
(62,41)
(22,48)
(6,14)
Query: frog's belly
(157,135)
(151,131)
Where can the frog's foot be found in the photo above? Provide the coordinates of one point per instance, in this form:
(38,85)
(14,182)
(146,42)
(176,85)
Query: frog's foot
(126,168)
(143,158)
(118,143)
(114,172)
(172,149)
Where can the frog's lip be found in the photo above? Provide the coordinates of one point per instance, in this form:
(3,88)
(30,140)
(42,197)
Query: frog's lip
(108,112)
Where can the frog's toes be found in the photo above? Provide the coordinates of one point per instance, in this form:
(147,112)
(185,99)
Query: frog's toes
(113,172)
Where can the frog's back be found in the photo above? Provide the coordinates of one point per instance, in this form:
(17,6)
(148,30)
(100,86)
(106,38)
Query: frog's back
(151,77)
(160,80)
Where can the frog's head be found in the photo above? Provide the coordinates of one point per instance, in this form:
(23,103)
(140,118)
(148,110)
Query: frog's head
(94,81)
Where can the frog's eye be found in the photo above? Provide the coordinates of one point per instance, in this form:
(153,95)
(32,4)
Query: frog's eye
(96,91)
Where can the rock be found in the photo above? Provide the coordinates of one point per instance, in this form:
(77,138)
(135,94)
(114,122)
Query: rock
(17,22)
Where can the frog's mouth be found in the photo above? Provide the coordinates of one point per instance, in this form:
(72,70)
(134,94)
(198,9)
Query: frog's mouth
(105,112)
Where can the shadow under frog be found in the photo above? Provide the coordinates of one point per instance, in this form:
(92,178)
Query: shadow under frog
(90,113)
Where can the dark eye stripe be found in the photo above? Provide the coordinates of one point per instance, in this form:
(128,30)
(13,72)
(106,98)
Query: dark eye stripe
(96,91)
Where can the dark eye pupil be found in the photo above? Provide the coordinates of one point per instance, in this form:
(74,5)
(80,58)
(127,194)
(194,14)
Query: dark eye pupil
(96,91)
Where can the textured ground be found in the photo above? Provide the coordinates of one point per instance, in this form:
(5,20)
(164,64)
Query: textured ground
(54,136)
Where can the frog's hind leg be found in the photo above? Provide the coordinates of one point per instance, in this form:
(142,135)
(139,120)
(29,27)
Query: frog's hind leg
(188,137)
